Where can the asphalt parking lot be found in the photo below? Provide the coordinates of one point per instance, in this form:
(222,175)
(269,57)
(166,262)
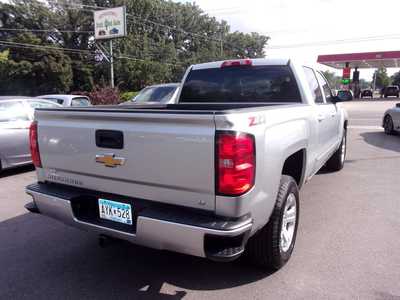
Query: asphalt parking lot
(348,245)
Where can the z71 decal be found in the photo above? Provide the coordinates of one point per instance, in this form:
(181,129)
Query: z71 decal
(256,120)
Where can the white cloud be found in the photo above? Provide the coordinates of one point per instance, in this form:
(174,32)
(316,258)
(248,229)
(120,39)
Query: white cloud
(290,22)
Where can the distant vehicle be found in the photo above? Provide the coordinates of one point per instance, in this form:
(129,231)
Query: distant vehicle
(391,91)
(68,100)
(102,32)
(114,31)
(16,116)
(345,95)
(157,94)
(391,120)
(367,93)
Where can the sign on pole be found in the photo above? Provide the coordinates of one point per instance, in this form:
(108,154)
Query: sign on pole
(110,23)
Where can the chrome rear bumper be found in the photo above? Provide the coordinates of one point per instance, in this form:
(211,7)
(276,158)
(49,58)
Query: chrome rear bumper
(152,232)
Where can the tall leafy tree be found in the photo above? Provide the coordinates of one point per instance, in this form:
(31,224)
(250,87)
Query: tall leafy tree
(163,38)
(396,78)
(381,78)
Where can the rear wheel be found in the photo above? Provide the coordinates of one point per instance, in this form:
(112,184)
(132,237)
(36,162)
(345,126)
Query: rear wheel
(336,162)
(388,125)
(272,246)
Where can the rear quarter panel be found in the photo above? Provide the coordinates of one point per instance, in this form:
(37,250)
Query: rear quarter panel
(280,132)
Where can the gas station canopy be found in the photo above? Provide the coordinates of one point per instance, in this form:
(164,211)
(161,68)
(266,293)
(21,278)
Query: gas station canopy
(367,60)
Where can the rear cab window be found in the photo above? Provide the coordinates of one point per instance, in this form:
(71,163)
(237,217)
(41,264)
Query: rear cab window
(241,84)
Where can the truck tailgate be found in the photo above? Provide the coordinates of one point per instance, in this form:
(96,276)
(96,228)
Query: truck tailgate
(169,157)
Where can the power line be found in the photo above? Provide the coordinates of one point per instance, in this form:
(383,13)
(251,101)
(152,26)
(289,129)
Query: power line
(342,41)
(32,46)
(46,30)
(144,60)
(129,15)
(46,48)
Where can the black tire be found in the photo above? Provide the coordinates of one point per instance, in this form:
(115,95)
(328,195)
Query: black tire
(388,125)
(336,162)
(264,249)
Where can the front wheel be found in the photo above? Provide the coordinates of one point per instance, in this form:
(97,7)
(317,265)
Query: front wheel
(336,162)
(272,246)
(388,125)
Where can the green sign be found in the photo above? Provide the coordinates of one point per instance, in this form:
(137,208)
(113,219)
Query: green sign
(346,81)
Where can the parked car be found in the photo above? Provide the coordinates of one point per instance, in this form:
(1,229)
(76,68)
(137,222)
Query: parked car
(16,115)
(391,91)
(391,120)
(345,95)
(214,175)
(68,100)
(367,93)
(156,94)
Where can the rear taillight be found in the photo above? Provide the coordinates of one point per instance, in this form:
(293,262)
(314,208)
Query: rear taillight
(235,163)
(33,140)
(237,63)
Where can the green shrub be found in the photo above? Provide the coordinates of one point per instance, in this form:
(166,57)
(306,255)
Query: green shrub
(102,95)
(126,96)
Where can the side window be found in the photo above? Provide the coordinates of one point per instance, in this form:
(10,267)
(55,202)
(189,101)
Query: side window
(41,104)
(325,87)
(12,111)
(314,86)
(56,100)
(79,102)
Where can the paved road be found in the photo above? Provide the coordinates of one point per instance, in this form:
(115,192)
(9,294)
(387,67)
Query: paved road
(348,244)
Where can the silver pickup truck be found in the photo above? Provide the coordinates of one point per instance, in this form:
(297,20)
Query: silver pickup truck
(216,175)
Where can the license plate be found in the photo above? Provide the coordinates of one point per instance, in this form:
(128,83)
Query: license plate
(115,211)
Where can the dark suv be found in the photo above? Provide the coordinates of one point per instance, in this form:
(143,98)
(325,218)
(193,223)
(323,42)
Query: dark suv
(391,90)
(367,93)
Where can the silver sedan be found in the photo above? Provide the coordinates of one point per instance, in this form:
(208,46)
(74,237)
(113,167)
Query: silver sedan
(391,120)
(16,115)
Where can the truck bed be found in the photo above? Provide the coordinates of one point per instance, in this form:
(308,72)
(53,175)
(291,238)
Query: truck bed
(172,108)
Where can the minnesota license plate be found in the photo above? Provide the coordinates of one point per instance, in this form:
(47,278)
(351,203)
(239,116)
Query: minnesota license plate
(115,211)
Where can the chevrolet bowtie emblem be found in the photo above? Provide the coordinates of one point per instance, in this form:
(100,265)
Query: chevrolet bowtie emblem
(110,160)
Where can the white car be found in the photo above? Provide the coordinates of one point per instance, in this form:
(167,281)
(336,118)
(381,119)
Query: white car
(67,100)
(391,120)
(16,116)
(156,94)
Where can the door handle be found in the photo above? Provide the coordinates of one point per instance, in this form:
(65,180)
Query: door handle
(320,118)
(333,114)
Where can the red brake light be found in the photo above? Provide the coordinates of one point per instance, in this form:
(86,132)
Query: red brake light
(235,163)
(33,139)
(237,63)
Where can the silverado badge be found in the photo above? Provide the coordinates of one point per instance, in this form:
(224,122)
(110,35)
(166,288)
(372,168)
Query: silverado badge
(110,160)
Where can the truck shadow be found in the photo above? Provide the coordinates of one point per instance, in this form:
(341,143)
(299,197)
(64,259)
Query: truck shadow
(16,171)
(41,258)
(381,140)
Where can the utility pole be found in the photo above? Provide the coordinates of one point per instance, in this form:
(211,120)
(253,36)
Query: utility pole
(221,44)
(111,64)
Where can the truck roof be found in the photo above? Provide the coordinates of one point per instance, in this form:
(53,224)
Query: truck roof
(255,62)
